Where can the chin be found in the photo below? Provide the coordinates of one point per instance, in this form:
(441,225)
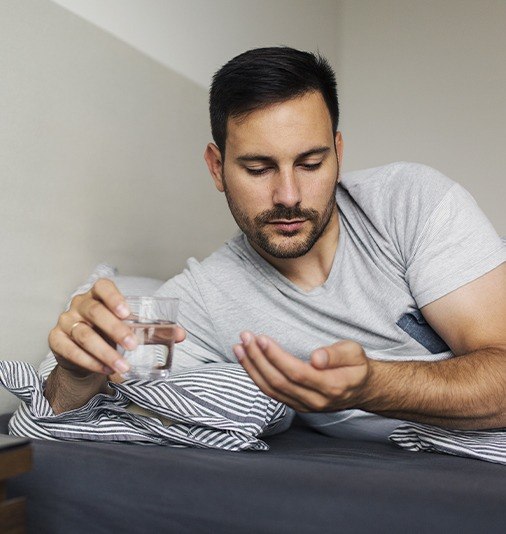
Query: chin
(289,254)
(285,250)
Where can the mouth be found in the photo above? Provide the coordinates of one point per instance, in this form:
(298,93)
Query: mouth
(288,225)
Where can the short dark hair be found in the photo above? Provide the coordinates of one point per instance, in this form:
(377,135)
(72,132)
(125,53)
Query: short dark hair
(264,76)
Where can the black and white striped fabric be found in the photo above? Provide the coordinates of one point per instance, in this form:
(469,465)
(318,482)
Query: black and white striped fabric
(489,445)
(213,406)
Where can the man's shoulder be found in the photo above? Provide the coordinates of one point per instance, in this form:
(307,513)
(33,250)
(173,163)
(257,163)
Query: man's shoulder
(390,187)
(402,174)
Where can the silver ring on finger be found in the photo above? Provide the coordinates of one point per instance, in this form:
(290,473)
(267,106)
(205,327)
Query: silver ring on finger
(72,328)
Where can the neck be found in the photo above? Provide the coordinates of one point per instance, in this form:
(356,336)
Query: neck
(312,269)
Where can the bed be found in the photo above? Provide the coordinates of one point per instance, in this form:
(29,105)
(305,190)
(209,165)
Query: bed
(306,482)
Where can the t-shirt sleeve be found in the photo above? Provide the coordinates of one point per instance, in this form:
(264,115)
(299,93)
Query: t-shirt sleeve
(457,245)
(201,345)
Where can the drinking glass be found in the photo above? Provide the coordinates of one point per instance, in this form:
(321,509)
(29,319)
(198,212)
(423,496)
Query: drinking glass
(153,323)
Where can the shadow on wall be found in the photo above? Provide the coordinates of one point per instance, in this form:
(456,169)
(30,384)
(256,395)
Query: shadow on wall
(100,159)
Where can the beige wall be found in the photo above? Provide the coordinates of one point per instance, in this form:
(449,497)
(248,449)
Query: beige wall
(100,159)
(196,37)
(426,81)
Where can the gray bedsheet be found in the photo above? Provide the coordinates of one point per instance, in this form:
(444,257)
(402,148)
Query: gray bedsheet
(306,483)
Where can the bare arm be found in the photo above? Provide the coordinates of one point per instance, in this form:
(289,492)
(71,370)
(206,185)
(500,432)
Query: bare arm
(467,391)
(67,391)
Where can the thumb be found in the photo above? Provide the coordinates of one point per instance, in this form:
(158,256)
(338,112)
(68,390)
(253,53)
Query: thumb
(341,354)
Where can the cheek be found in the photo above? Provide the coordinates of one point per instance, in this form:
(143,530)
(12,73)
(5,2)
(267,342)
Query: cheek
(317,193)
(249,195)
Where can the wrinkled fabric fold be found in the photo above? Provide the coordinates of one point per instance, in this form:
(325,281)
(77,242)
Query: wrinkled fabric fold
(213,406)
(488,445)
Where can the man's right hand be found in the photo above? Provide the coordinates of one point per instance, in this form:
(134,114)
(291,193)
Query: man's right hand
(83,339)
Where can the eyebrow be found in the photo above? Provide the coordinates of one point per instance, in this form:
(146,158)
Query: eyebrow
(260,157)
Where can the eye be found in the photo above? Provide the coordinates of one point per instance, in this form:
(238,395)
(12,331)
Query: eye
(257,172)
(311,166)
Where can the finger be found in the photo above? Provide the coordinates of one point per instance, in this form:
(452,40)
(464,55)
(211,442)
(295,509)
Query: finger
(85,338)
(263,385)
(106,291)
(341,354)
(281,377)
(180,334)
(64,348)
(96,314)
(291,367)
(324,387)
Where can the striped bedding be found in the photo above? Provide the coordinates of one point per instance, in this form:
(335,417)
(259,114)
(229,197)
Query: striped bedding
(213,406)
(488,445)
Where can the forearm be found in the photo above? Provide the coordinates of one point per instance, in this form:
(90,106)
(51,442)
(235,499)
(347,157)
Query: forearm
(67,391)
(466,392)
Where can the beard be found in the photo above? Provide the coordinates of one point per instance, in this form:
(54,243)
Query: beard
(290,244)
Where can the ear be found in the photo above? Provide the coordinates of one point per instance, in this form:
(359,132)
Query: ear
(339,150)
(212,155)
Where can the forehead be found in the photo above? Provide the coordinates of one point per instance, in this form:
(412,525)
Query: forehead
(285,128)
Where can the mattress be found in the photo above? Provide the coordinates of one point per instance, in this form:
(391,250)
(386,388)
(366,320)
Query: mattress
(306,482)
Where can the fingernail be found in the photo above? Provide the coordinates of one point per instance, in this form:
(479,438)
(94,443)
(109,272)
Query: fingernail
(130,342)
(262,342)
(122,310)
(321,358)
(108,370)
(239,352)
(245,337)
(121,366)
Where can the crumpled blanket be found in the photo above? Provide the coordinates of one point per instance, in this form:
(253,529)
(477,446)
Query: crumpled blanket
(488,445)
(212,406)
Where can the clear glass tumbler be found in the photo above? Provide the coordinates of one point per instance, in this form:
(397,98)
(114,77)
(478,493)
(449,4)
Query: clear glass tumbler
(153,323)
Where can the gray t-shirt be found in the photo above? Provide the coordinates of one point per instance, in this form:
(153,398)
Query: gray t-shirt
(408,236)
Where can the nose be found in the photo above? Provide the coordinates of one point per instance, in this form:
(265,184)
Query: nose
(286,189)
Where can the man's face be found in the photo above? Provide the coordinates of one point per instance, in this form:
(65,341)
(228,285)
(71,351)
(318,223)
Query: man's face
(280,175)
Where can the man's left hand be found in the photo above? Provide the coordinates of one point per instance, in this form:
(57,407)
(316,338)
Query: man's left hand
(336,377)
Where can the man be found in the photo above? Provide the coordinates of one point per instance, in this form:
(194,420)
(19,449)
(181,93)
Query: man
(387,305)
